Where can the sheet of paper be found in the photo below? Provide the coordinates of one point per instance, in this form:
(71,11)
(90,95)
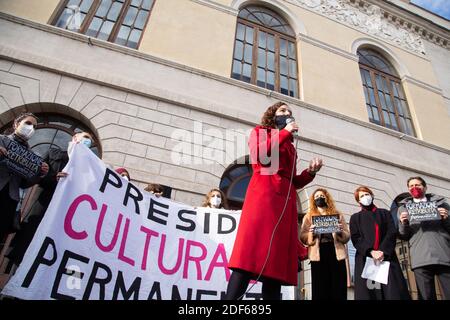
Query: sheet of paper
(376,272)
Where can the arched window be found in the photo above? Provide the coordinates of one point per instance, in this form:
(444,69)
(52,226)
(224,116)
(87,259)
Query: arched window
(385,100)
(118,21)
(234,184)
(54,131)
(265,51)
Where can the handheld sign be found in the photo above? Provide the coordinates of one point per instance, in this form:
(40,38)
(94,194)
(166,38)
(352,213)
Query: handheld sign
(422,211)
(326,224)
(22,161)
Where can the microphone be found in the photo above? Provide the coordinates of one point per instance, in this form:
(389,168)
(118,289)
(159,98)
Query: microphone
(289,120)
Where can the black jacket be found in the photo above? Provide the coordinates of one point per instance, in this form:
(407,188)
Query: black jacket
(362,230)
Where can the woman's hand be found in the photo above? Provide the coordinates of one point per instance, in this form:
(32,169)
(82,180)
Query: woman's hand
(60,175)
(3,152)
(291,127)
(312,228)
(377,255)
(315,165)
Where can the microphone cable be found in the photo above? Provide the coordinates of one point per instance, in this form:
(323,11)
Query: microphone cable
(278,222)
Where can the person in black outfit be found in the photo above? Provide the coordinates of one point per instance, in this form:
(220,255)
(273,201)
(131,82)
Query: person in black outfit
(373,234)
(10,182)
(57,160)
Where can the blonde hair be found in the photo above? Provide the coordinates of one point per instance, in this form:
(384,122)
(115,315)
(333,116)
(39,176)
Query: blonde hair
(223,203)
(330,209)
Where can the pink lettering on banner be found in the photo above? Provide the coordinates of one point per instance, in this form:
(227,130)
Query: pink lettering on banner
(71,212)
(149,233)
(123,245)
(196,260)
(220,252)
(98,231)
(161,256)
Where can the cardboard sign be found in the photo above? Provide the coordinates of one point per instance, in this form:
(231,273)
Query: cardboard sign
(422,211)
(22,161)
(326,224)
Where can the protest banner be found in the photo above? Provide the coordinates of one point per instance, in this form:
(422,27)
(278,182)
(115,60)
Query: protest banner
(326,224)
(22,161)
(104,238)
(422,211)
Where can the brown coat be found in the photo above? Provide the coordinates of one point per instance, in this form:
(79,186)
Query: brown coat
(310,240)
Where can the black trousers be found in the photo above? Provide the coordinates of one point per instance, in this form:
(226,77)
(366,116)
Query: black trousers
(239,280)
(7,212)
(425,281)
(328,276)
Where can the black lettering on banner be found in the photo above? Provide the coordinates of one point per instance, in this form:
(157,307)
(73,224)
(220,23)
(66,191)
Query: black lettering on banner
(117,182)
(152,210)
(136,197)
(126,294)
(156,290)
(206,224)
(63,270)
(40,259)
(326,224)
(191,223)
(220,224)
(201,293)
(177,296)
(100,281)
(422,211)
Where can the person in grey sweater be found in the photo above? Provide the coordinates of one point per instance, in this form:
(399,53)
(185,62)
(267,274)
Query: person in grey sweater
(429,241)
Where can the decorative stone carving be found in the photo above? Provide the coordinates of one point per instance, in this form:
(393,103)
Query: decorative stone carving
(368,19)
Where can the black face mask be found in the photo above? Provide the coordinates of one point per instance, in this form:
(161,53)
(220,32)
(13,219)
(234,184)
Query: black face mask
(320,202)
(280,121)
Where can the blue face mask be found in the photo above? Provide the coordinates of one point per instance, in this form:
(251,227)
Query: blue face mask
(87,142)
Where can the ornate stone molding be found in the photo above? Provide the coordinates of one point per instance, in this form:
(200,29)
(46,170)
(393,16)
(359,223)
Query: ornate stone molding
(372,19)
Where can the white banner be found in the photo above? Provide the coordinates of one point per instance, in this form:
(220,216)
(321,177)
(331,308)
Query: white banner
(104,238)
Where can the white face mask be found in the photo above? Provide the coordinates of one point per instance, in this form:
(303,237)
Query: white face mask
(25,131)
(366,200)
(215,201)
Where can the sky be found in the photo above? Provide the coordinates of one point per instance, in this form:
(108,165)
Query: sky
(439,7)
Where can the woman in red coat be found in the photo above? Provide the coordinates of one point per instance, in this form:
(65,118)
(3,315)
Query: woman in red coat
(267,246)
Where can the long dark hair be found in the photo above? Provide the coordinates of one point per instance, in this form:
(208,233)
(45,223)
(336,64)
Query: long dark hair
(268,118)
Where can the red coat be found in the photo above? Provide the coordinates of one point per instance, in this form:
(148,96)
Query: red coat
(263,205)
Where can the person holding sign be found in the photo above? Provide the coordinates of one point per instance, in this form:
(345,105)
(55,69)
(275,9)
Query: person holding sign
(373,234)
(326,246)
(215,199)
(429,238)
(11,180)
(267,245)
(57,160)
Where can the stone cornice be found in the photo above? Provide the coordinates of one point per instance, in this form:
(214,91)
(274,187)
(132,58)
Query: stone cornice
(428,30)
(381,20)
